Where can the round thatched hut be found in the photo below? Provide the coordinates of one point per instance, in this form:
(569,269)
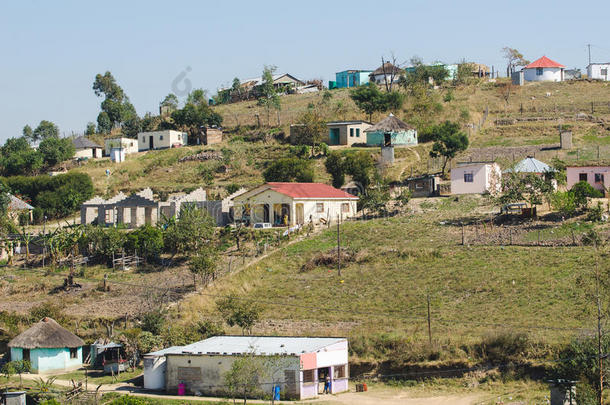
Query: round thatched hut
(48,347)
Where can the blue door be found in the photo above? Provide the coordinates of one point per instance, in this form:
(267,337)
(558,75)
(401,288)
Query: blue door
(334,136)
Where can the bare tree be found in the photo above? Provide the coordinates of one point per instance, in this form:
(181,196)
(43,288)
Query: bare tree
(514,59)
(391,71)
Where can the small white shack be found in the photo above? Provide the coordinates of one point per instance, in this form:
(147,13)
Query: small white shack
(118,148)
(598,71)
(544,70)
(155,367)
(298,366)
(161,140)
(476,178)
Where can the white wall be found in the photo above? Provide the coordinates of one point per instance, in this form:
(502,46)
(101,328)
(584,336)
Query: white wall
(129,145)
(161,139)
(548,75)
(485,178)
(594,71)
(154,372)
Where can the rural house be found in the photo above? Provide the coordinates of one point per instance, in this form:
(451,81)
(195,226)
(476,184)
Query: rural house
(598,71)
(596,176)
(350,78)
(48,347)
(391,132)
(161,140)
(118,148)
(423,186)
(17,207)
(531,165)
(297,367)
(85,148)
(211,135)
(543,70)
(476,178)
(347,132)
(289,204)
(388,72)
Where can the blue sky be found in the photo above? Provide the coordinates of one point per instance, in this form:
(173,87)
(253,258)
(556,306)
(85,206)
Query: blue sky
(51,51)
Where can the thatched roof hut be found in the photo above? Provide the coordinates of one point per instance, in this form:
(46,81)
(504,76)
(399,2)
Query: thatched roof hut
(46,334)
(386,69)
(390,124)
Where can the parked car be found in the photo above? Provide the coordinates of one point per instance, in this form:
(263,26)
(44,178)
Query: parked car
(262,225)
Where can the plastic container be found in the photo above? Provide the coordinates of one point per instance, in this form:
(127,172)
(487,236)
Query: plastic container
(364,388)
(181,389)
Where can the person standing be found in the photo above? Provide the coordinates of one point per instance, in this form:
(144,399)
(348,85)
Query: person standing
(327,385)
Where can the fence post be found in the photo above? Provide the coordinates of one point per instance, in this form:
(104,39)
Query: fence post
(510,235)
(538,237)
(463,236)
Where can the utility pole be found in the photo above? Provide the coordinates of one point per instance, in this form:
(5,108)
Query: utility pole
(589,46)
(338,247)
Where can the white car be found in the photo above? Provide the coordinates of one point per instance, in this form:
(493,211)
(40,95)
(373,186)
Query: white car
(261,225)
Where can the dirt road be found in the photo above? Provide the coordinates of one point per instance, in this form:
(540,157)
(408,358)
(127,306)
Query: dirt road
(398,397)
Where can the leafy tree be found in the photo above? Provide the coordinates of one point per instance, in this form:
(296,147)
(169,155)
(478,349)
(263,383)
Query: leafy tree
(335,166)
(376,198)
(56,150)
(204,264)
(449,140)
(514,58)
(424,75)
(191,232)
(244,377)
(147,241)
(529,187)
(311,128)
(238,312)
(268,96)
(582,192)
(236,89)
(360,166)
(170,101)
(90,130)
(104,124)
(289,169)
(148,342)
(197,97)
(44,130)
(564,202)
(28,133)
(18,157)
(208,329)
(153,321)
(194,116)
(371,100)
(116,107)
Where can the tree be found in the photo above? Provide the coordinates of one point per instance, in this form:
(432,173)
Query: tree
(390,70)
(244,377)
(360,165)
(170,102)
(376,198)
(526,187)
(236,90)
(268,96)
(197,97)
(289,169)
(18,157)
(204,265)
(335,166)
(310,129)
(116,107)
(370,99)
(56,150)
(513,58)
(28,133)
(193,116)
(147,240)
(582,191)
(90,130)
(238,312)
(449,140)
(191,232)
(44,130)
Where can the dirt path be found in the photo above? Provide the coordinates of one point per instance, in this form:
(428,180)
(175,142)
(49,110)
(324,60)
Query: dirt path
(399,397)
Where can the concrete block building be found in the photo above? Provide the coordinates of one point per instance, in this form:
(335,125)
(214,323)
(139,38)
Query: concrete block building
(347,132)
(543,70)
(597,176)
(476,178)
(599,71)
(298,366)
(161,140)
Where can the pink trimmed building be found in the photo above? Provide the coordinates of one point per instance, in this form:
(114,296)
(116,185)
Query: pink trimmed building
(596,176)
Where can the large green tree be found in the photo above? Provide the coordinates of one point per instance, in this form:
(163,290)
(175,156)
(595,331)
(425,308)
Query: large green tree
(370,99)
(117,110)
(289,169)
(268,96)
(191,232)
(56,150)
(449,140)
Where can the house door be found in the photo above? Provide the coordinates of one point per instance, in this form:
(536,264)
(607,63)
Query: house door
(151,142)
(26,355)
(387,139)
(334,136)
(300,213)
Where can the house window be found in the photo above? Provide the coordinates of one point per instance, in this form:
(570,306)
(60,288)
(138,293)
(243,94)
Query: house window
(74,352)
(144,139)
(339,372)
(160,137)
(468,178)
(604,72)
(419,186)
(357,132)
(599,178)
(351,132)
(345,207)
(539,71)
(131,144)
(179,136)
(319,208)
(308,376)
(582,177)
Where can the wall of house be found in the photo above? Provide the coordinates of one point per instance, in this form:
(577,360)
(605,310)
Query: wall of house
(348,133)
(161,139)
(49,359)
(595,71)
(129,145)
(408,138)
(205,373)
(154,372)
(548,75)
(573,176)
(88,153)
(485,178)
(352,79)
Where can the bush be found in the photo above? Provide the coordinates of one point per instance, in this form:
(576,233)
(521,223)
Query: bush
(503,347)
(231,188)
(46,309)
(147,241)
(595,213)
(582,192)
(289,169)
(153,322)
(564,202)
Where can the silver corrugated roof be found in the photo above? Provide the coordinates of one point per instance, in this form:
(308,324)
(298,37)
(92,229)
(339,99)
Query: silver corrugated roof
(261,345)
(530,165)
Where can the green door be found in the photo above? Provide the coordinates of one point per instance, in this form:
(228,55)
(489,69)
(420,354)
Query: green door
(334,136)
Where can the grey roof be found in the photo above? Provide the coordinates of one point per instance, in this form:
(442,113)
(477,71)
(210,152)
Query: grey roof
(163,352)
(530,165)
(17,204)
(348,122)
(82,143)
(261,345)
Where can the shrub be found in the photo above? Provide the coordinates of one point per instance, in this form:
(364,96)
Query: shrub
(153,322)
(46,309)
(289,169)
(147,241)
(564,202)
(582,192)
(503,347)
(595,213)
(233,187)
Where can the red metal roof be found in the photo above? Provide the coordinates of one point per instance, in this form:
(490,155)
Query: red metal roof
(544,62)
(310,190)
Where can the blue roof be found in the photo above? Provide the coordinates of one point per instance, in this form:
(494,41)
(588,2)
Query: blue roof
(530,165)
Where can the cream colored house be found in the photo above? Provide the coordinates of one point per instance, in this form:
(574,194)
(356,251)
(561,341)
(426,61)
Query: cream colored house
(161,139)
(289,204)
(128,145)
(476,178)
(85,148)
(347,132)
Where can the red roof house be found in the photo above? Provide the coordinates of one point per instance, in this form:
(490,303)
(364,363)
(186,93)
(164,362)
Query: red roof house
(544,70)
(290,204)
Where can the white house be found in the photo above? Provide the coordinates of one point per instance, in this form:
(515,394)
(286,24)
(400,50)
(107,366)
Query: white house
(388,72)
(284,204)
(85,148)
(544,70)
(476,178)
(598,71)
(161,139)
(296,367)
(127,145)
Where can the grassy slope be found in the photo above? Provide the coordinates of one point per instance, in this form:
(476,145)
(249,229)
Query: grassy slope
(402,260)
